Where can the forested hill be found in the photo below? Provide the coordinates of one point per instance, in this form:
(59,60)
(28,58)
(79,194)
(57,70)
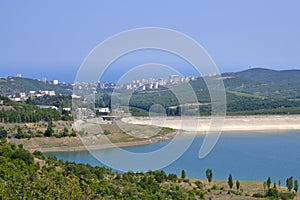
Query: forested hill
(253,91)
(270,76)
(15,85)
(265,82)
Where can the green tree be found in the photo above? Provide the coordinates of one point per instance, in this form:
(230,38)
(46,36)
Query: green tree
(289,183)
(49,132)
(20,133)
(273,192)
(230,181)
(269,182)
(296,186)
(23,155)
(183,174)
(73,133)
(237,185)
(107,132)
(209,175)
(3,133)
(65,132)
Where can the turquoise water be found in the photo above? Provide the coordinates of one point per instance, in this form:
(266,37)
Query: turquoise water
(252,156)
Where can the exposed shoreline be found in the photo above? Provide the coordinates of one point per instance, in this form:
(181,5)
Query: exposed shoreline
(229,124)
(232,124)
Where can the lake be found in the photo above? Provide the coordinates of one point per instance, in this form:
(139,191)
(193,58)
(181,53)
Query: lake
(247,156)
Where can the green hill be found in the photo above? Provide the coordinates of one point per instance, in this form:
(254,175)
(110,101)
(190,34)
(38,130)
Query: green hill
(254,91)
(271,76)
(15,85)
(265,82)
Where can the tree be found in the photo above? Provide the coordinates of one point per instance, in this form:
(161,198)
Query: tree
(65,132)
(289,183)
(3,133)
(273,192)
(73,133)
(296,186)
(23,155)
(269,182)
(265,185)
(49,132)
(237,185)
(230,181)
(20,133)
(209,175)
(183,174)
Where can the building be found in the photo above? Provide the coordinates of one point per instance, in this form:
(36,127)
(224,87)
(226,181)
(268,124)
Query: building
(45,107)
(55,82)
(67,109)
(102,110)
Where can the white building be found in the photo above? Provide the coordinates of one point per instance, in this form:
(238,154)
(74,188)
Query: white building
(55,82)
(103,110)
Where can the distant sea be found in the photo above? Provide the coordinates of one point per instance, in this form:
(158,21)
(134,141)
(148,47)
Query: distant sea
(247,156)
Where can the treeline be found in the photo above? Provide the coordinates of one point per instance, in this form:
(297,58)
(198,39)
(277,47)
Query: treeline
(271,190)
(14,112)
(59,101)
(25,116)
(236,104)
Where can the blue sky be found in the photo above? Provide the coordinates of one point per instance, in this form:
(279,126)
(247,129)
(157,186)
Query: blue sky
(52,38)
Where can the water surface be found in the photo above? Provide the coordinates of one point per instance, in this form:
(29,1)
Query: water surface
(251,156)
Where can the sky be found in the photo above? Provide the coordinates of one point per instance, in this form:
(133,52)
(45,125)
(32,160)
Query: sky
(52,38)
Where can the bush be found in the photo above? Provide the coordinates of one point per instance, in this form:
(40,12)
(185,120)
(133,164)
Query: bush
(3,133)
(258,195)
(214,187)
(23,155)
(285,196)
(199,184)
(39,155)
(107,132)
(73,134)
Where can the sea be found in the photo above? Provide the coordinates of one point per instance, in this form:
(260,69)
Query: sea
(252,156)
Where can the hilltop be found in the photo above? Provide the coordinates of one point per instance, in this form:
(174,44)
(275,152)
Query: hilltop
(265,82)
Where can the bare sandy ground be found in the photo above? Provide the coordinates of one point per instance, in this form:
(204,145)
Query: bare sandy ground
(231,123)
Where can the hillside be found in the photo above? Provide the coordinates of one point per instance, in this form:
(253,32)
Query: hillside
(265,82)
(15,85)
(33,176)
(254,91)
(16,112)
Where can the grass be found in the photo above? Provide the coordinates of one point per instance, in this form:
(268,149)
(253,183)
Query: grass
(91,134)
(243,94)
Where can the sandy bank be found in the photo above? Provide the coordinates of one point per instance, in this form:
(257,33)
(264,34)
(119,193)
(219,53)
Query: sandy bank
(231,123)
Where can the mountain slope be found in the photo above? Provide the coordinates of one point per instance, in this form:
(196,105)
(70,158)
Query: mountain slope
(271,76)
(265,82)
(15,85)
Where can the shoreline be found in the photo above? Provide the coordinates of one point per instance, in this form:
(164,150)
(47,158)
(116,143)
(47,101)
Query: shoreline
(229,124)
(232,125)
